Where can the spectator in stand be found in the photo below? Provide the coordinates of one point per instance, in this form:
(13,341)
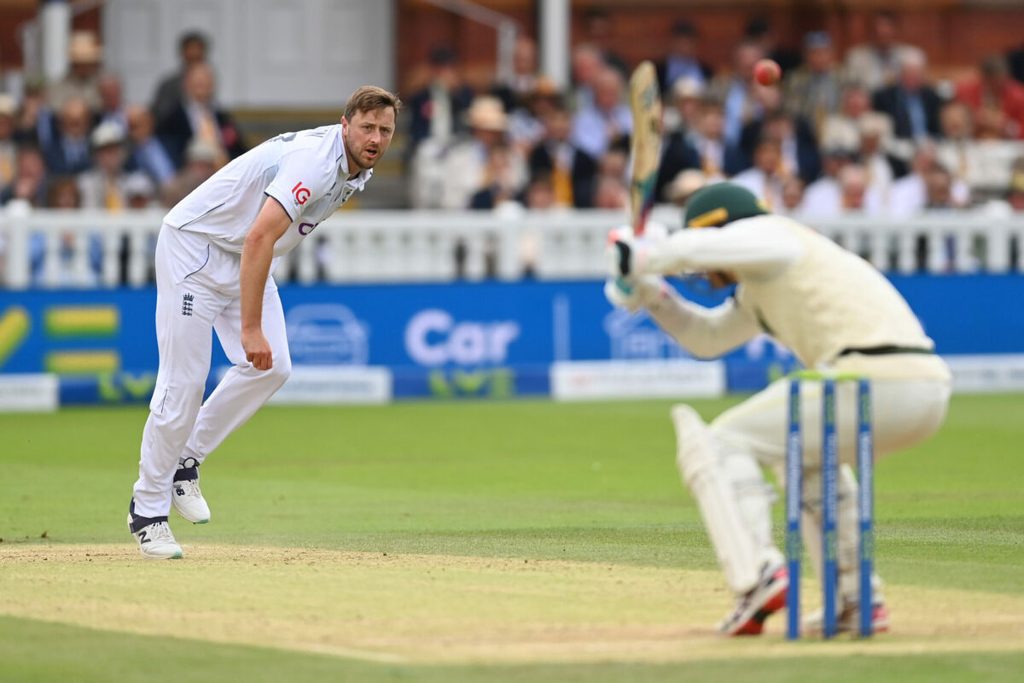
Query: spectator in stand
(30,180)
(911,103)
(68,152)
(813,90)
(611,193)
(686,97)
(1015,61)
(994,90)
(464,166)
(515,93)
(145,152)
(939,189)
(681,60)
(703,148)
(8,146)
(909,194)
(597,30)
(799,145)
(587,65)
(193,48)
(684,185)
(201,159)
(823,197)
(1015,192)
(36,121)
(139,192)
(608,120)
(875,134)
(845,123)
(63,193)
(82,82)
(855,193)
(759,30)
(102,187)
(570,171)
(438,110)
(198,117)
(736,90)
(958,151)
(526,121)
(765,178)
(112,107)
(792,197)
(876,64)
(540,194)
(499,184)
(615,162)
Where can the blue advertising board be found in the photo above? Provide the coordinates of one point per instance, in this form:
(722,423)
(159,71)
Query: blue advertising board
(448,340)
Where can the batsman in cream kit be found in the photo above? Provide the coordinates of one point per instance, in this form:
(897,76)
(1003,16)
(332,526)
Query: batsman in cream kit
(214,257)
(839,316)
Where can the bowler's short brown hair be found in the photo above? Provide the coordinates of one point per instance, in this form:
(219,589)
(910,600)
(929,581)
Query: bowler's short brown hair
(371,98)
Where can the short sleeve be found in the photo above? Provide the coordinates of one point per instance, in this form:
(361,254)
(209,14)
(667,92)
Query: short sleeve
(302,178)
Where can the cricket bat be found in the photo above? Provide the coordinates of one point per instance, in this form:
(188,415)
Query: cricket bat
(645,146)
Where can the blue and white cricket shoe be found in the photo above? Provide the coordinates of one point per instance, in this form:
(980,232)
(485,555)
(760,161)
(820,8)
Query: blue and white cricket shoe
(154,536)
(185,494)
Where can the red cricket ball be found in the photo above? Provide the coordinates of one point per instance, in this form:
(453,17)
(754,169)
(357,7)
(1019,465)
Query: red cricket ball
(767,72)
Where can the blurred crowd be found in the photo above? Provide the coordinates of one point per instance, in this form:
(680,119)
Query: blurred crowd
(78,144)
(869,131)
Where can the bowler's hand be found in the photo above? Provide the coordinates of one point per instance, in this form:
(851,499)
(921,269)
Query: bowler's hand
(257,349)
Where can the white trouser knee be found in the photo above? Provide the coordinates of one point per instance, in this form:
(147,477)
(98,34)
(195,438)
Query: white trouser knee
(238,396)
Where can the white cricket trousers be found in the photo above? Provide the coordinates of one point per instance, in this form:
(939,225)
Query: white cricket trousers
(198,290)
(753,434)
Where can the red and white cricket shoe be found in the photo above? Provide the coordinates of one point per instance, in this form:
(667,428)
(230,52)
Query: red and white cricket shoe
(768,597)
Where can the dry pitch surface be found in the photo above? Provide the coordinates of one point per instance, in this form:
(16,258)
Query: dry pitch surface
(450,609)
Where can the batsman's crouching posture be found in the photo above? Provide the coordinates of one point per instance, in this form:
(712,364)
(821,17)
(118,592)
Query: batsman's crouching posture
(213,260)
(835,312)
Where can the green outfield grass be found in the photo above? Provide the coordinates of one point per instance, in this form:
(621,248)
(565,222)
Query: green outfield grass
(522,541)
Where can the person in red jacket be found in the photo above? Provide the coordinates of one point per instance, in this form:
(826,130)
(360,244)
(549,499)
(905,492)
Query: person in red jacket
(993,90)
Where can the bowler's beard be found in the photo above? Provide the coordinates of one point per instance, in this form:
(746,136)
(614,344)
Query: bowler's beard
(356,161)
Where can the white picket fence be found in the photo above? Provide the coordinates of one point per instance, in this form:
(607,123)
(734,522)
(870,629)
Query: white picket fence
(94,248)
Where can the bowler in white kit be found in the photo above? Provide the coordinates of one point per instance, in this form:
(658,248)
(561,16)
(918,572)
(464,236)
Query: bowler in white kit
(214,256)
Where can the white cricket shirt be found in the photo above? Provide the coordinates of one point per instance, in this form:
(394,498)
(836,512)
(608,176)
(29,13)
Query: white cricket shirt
(799,286)
(306,172)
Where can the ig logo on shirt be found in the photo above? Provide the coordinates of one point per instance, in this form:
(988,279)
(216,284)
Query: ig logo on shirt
(301,193)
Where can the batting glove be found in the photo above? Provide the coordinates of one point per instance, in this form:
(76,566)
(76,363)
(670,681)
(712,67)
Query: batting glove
(633,294)
(625,254)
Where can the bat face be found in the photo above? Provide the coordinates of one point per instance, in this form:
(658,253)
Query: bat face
(645,104)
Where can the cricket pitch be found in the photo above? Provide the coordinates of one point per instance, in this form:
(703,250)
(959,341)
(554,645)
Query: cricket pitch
(419,609)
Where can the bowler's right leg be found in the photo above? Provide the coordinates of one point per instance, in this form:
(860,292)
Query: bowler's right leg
(185,312)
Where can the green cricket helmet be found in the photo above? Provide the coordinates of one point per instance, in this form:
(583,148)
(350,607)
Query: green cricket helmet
(715,205)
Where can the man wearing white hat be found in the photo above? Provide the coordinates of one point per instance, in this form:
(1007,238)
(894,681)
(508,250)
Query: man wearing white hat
(103,186)
(465,163)
(85,55)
